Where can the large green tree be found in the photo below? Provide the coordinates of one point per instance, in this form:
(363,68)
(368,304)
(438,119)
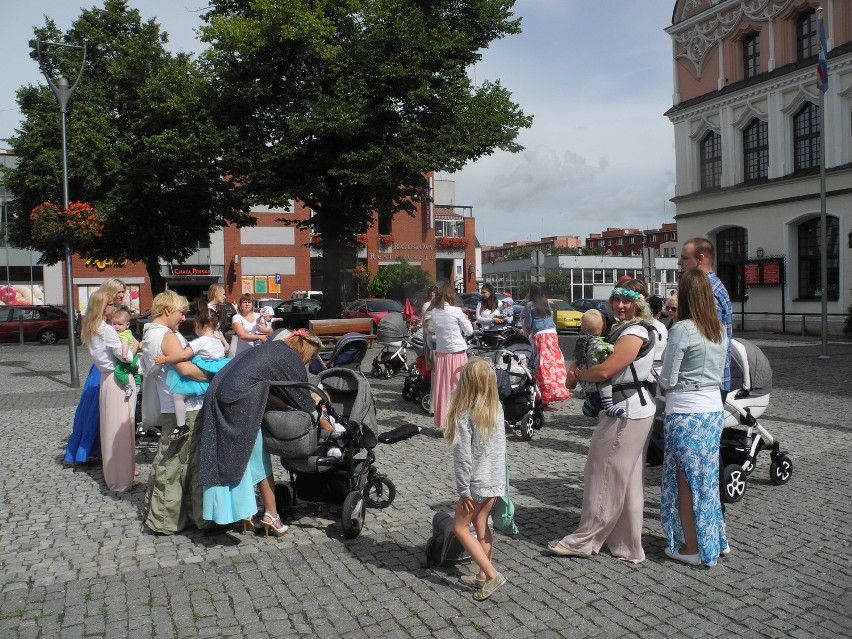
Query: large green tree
(142,144)
(345,105)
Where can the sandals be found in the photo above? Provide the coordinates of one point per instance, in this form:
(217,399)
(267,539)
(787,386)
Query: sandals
(179,433)
(471,581)
(252,523)
(490,586)
(268,522)
(555,548)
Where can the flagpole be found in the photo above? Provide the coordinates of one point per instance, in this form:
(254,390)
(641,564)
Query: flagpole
(822,78)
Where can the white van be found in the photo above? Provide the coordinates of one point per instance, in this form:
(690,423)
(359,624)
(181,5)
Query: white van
(303,295)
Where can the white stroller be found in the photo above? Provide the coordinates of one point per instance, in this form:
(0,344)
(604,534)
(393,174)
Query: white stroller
(742,436)
(393,334)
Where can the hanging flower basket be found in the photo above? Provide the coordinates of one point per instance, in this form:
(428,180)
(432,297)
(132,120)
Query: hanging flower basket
(451,242)
(386,240)
(361,239)
(78,226)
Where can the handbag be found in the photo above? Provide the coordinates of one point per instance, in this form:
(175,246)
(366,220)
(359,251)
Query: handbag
(503,513)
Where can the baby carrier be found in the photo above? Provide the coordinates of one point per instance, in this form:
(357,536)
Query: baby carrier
(305,450)
(625,389)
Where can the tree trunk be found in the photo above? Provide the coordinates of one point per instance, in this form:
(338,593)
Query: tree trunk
(337,264)
(158,282)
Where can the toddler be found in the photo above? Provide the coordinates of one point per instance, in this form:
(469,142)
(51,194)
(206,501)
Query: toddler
(128,365)
(267,316)
(205,351)
(507,310)
(590,349)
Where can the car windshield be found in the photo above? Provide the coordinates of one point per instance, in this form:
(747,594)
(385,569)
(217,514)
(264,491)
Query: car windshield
(561,306)
(390,306)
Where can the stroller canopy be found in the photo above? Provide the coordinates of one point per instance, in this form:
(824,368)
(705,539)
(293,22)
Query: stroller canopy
(522,345)
(392,328)
(350,396)
(750,369)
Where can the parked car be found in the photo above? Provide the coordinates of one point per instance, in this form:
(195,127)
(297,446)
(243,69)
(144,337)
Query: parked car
(45,324)
(584,305)
(566,317)
(259,303)
(376,308)
(296,313)
(312,295)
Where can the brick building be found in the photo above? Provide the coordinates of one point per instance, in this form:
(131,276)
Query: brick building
(617,241)
(492,254)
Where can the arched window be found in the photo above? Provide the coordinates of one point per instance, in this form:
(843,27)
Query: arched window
(806,150)
(806,35)
(711,161)
(731,249)
(810,263)
(756,151)
(751,55)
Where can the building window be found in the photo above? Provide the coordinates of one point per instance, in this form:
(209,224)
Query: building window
(810,267)
(756,151)
(806,149)
(385,224)
(751,56)
(449,228)
(806,35)
(731,247)
(711,161)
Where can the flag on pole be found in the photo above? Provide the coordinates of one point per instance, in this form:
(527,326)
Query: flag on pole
(822,62)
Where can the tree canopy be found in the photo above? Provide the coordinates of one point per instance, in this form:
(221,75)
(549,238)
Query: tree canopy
(143,147)
(346,105)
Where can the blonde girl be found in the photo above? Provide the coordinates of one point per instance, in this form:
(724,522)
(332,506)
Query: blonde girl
(474,430)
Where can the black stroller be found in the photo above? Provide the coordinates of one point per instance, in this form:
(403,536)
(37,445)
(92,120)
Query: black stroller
(515,364)
(348,352)
(325,466)
(490,340)
(393,334)
(417,386)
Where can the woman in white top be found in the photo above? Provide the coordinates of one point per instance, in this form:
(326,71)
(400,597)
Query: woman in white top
(488,313)
(117,412)
(450,326)
(246,323)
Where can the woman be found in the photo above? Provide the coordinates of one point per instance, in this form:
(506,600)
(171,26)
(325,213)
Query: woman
(245,323)
(693,363)
(488,310)
(613,497)
(233,460)
(116,411)
(671,307)
(173,499)
(450,326)
(550,375)
(85,442)
(216,301)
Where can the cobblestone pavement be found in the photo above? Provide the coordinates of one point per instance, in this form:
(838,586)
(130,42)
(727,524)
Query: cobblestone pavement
(75,561)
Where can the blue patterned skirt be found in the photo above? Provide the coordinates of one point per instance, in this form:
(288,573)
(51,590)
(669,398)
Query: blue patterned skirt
(85,442)
(692,442)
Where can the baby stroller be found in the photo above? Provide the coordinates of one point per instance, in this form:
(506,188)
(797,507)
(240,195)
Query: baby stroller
(325,466)
(349,352)
(515,364)
(489,341)
(742,435)
(392,332)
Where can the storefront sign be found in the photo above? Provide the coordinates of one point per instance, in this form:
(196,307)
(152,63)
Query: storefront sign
(190,270)
(393,257)
(105,264)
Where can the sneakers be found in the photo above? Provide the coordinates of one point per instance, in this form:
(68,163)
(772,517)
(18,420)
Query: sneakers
(555,548)
(490,586)
(471,581)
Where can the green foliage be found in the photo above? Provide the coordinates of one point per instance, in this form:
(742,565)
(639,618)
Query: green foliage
(521,253)
(143,147)
(557,284)
(347,105)
(400,281)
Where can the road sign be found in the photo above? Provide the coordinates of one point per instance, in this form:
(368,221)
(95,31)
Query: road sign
(537,258)
(278,278)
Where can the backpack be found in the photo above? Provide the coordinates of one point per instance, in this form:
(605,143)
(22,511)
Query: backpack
(443,547)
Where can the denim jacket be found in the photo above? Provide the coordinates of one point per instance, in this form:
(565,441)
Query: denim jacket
(535,323)
(691,362)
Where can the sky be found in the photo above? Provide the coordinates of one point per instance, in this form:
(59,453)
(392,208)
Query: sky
(596,77)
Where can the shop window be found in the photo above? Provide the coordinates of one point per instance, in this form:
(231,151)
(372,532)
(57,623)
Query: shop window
(810,262)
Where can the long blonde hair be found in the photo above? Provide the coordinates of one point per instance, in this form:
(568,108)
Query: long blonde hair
(112,286)
(476,396)
(98,301)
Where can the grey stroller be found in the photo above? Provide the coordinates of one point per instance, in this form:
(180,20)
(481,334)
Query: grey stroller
(327,466)
(394,336)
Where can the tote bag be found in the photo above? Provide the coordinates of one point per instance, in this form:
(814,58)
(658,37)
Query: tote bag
(503,514)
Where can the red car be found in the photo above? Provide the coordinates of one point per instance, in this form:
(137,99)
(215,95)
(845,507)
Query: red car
(45,324)
(372,307)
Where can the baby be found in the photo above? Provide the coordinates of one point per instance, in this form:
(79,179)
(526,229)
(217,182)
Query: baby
(590,349)
(267,316)
(328,423)
(129,364)
(507,310)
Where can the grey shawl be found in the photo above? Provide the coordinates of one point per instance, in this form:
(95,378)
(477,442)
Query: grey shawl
(233,409)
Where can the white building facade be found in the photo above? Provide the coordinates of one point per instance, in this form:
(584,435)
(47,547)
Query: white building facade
(748,120)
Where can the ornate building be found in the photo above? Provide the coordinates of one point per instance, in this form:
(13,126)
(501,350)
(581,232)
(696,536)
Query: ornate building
(748,116)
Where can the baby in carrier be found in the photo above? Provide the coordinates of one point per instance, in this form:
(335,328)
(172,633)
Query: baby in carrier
(591,348)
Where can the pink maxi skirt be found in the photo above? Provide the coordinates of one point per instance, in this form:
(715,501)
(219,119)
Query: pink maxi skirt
(118,434)
(445,378)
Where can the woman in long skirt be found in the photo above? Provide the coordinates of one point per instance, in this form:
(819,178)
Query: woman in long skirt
(550,375)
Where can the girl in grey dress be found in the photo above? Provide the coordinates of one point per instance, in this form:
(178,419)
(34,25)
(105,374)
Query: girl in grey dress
(475,431)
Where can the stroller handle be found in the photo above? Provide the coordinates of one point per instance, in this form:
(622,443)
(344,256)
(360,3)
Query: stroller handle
(307,385)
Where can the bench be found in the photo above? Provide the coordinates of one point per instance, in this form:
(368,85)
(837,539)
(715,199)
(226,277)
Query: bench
(328,330)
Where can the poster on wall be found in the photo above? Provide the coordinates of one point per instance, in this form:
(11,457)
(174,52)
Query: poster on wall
(260,285)
(247,285)
(21,294)
(131,297)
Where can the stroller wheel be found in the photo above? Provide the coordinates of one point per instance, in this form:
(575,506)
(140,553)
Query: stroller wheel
(283,498)
(781,469)
(389,372)
(376,371)
(733,483)
(407,393)
(528,426)
(426,403)
(352,517)
(379,492)
(538,419)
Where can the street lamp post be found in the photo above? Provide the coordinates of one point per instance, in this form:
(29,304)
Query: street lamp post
(63,92)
